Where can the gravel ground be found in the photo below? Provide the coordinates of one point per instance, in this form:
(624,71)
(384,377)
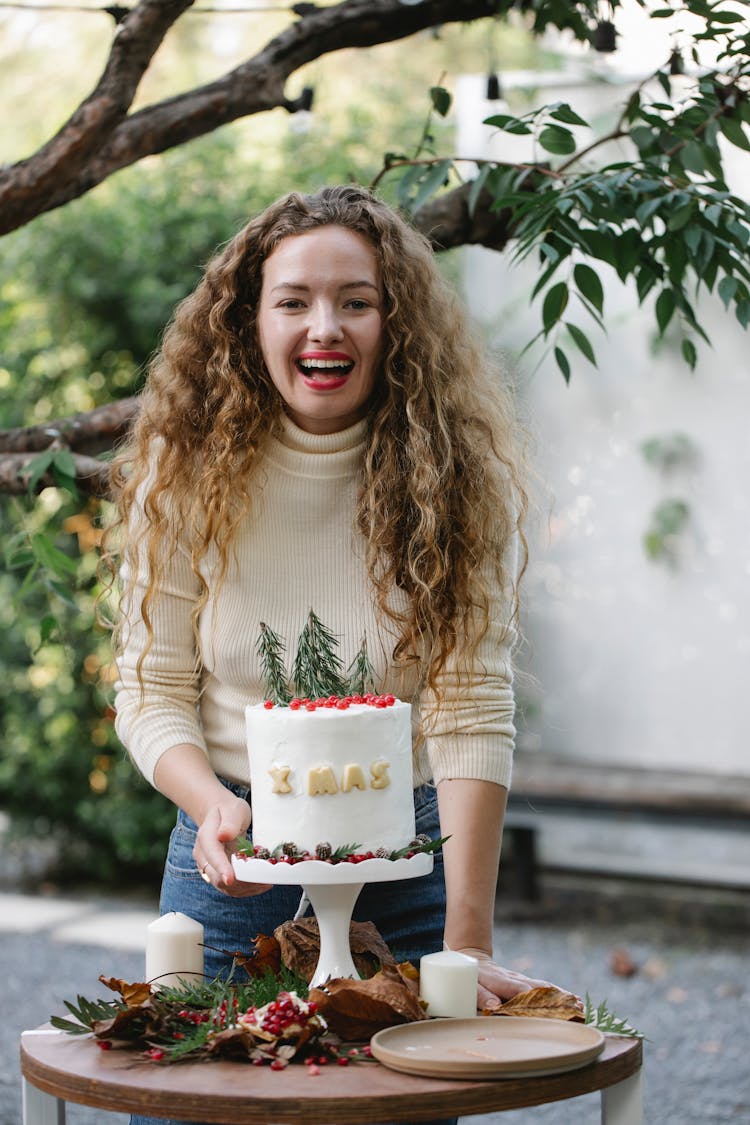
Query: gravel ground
(687,993)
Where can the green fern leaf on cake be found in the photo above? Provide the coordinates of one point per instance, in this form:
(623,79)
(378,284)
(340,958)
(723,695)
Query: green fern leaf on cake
(361,674)
(318,670)
(271,649)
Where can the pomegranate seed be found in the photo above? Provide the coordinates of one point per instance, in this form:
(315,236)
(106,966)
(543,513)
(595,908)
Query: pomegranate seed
(259,1062)
(343,1061)
(268,704)
(322,1060)
(313,1069)
(278,1064)
(104,1045)
(295,705)
(311,706)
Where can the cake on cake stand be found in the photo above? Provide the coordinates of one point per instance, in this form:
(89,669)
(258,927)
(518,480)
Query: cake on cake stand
(333,889)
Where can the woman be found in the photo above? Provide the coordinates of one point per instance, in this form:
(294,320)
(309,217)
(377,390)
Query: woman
(321,430)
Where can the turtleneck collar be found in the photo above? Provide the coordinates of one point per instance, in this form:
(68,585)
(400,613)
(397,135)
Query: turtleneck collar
(318,454)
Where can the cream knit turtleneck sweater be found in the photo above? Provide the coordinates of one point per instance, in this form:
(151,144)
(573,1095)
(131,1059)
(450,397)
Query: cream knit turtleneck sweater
(296,550)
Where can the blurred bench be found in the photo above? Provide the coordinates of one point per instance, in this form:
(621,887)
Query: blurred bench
(544,782)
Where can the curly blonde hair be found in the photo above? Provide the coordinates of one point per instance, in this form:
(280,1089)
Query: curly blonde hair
(442,493)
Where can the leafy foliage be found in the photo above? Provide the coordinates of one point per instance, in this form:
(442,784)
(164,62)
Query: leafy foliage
(599,1016)
(664,219)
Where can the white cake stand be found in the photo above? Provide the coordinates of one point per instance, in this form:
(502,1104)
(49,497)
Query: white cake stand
(333,889)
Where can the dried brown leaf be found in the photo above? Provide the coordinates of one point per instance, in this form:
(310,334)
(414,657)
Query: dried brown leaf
(299,944)
(547,1002)
(134,995)
(356,1009)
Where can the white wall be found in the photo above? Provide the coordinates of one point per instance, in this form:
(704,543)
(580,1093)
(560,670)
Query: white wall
(635,661)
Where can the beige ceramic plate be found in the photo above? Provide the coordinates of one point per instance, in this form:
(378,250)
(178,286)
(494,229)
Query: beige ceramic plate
(487,1047)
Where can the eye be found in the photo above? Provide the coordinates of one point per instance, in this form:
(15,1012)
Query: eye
(291,303)
(358,303)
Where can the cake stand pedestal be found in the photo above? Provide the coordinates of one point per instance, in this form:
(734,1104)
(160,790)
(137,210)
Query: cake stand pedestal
(333,889)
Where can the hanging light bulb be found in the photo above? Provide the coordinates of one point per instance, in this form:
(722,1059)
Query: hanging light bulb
(306,99)
(604,37)
(494,88)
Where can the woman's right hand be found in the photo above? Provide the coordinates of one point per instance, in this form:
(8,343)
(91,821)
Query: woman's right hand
(224,822)
(183,774)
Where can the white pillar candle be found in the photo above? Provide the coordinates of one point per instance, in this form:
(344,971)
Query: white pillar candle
(174,950)
(448,984)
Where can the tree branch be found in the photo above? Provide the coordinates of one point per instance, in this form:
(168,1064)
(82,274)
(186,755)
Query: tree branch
(88,433)
(65,159)
(100,138)
(92,476)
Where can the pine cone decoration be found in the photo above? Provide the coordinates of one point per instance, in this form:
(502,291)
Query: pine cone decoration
(420,840)
(262,853)
(382,853)
(323,851)
(289,849)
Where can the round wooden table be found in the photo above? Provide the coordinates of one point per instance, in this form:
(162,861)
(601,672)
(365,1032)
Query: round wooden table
(59,1068)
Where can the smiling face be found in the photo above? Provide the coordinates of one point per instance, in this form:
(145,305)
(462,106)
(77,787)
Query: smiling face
(320,326)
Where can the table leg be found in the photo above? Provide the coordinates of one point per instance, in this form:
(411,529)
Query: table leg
(622,1104)
(40,1108)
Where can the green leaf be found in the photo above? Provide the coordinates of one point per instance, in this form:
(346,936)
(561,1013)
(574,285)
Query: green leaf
(693,158)
(562,363)
(441,99)
(554,305)
(680,217)
(734,132)
(665,306)
(557,140)
(51,557)
(476,187)
(431,182)
(37,467)
(589,284)
(689,353)
(507,123)
(568,116)
(581,341)
(742,310)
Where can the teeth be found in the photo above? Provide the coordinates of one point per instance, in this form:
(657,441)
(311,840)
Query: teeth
(312,364)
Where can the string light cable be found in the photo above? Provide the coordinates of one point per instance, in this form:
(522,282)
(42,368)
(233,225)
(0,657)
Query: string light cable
(119,13)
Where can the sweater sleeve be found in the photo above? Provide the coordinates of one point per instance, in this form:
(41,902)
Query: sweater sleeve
(471,732)
(159,709)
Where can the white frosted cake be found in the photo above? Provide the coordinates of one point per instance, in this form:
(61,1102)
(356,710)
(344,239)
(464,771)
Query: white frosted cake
(337,773)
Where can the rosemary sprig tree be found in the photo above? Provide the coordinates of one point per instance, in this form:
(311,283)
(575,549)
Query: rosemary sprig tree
(360,673)
(318,669)
(271,650)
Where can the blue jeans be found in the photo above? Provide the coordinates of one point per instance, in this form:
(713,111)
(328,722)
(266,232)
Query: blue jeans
(409,914)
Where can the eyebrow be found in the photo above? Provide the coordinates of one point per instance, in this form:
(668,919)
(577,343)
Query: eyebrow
(306,288)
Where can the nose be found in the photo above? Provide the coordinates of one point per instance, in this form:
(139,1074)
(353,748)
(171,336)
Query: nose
(324,324)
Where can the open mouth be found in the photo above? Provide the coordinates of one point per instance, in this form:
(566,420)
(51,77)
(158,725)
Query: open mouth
(324,369)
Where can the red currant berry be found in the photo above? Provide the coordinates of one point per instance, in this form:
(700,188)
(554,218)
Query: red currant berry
(343,1061)
(295,704)
(268,704)
(278,1064)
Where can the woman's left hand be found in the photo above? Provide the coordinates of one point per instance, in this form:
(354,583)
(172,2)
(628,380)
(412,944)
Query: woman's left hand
(497,984)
